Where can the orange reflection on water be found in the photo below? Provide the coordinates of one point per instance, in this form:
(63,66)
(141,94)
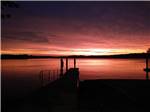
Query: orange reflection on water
(24,74)
(111,68)
(89,68)
(94,62)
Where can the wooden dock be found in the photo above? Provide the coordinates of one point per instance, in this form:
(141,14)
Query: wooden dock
(58,96)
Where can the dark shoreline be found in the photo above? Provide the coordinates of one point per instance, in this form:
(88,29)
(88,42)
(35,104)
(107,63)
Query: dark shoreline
(119,56)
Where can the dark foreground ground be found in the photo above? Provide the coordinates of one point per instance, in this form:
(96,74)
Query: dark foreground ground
(69,95)
(114,95)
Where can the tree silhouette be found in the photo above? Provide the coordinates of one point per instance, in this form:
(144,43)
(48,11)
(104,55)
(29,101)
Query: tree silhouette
(6,6)
(148,51)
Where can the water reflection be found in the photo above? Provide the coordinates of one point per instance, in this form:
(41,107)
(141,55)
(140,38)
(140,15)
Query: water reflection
(24,73)
(111,69)
(93,68)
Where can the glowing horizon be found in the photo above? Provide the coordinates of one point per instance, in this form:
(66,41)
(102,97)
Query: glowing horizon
(86,52)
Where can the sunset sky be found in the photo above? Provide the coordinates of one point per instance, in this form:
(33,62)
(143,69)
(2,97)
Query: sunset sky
(76,28)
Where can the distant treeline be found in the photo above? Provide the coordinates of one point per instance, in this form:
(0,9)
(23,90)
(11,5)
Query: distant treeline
(21,56)
(123,56)
(132,55)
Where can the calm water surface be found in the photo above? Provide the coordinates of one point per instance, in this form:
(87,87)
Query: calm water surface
(22,76)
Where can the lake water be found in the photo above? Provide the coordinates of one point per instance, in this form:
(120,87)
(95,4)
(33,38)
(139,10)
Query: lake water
(20,77)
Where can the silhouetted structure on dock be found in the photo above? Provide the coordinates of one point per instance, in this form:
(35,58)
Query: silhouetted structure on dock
(62,64)
(48,76)
(61,67)
(66,64)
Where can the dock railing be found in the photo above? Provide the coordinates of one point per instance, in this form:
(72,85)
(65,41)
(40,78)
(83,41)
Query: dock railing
(47,76)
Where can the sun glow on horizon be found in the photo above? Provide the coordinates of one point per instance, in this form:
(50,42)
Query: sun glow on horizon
(85,52)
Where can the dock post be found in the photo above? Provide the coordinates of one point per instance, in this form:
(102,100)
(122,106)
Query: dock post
(147,70)
(147,62)
(66,64)
(147,77)
(61,67)
(74,62)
